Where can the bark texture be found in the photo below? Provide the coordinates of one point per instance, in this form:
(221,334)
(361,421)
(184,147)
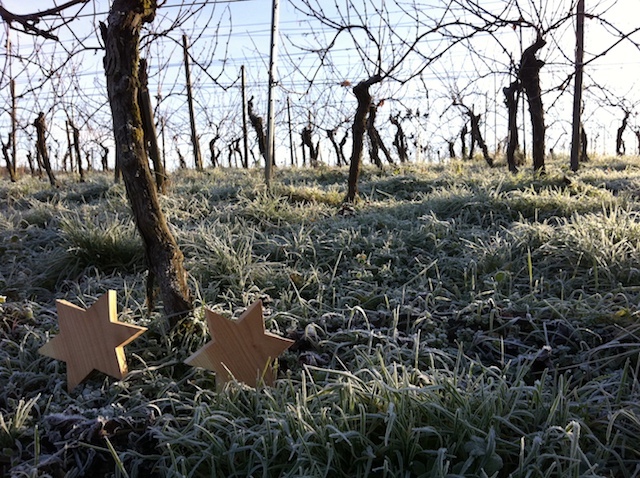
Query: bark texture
(165,260)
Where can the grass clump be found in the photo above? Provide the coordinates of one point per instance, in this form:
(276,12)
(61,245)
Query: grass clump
(108,243)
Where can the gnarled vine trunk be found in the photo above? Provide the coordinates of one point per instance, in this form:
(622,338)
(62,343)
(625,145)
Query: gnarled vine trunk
(620,146)
(340,159)
(400,139)
(361,90)
(476,137)
(529,76)
(165,260)
(41,148)
(258,125)
(307,141)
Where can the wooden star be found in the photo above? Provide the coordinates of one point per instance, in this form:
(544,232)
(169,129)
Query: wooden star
(91,339)
(241,349)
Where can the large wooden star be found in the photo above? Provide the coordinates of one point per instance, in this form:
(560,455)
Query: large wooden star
(241,349)
(91,339)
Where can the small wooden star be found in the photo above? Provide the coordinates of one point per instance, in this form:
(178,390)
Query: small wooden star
(241,349)
(91,339)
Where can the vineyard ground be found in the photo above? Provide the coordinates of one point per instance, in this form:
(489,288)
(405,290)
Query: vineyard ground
(456,321)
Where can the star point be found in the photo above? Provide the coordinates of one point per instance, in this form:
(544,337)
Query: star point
(91,339)
(240,349)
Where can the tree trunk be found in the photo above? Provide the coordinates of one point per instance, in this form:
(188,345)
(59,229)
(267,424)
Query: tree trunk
(342,142)
(32,167)
(511,100)
(452,151)
(89,157)
(39,163)
(620,146)
(584,157)
(212,150)
(117,173)
(529,76)
(476,137)
(165,260)
(149,127)
(373,144)
(361,90)
(331,134)
(104,158)
(14,132)
(231,156)
(375,139)
(463,138)
(307,141)
(182,162)
(10,165)
(69,146)
(304,151)
(236,147)
(41,146)
(258,125)
(76,147)
(400,139)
